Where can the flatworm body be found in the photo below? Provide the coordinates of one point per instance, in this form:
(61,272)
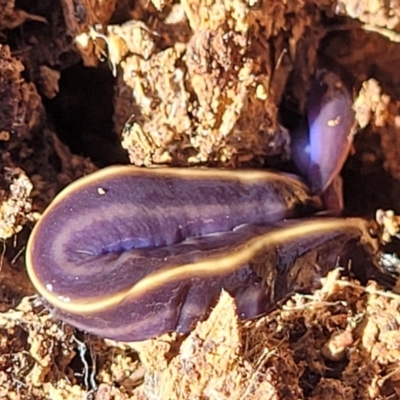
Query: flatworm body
(93,247)
(129,253)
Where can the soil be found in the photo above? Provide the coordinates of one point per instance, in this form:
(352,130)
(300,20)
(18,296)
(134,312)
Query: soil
(90,83)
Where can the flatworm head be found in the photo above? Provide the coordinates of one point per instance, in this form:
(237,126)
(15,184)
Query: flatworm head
(321,145)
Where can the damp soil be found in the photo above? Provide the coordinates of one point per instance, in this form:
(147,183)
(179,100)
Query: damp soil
(85,84)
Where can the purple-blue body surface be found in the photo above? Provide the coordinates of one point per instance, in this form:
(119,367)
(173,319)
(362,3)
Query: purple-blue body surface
(106,232)
(321,145)
(129,253)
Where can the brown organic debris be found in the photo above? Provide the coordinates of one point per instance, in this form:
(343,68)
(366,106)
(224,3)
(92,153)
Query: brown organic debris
(19,103)
(197,83)
(210,361)
(82,18)
(15,202)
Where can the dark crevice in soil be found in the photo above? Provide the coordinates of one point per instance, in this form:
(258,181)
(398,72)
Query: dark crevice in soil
(82,114)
